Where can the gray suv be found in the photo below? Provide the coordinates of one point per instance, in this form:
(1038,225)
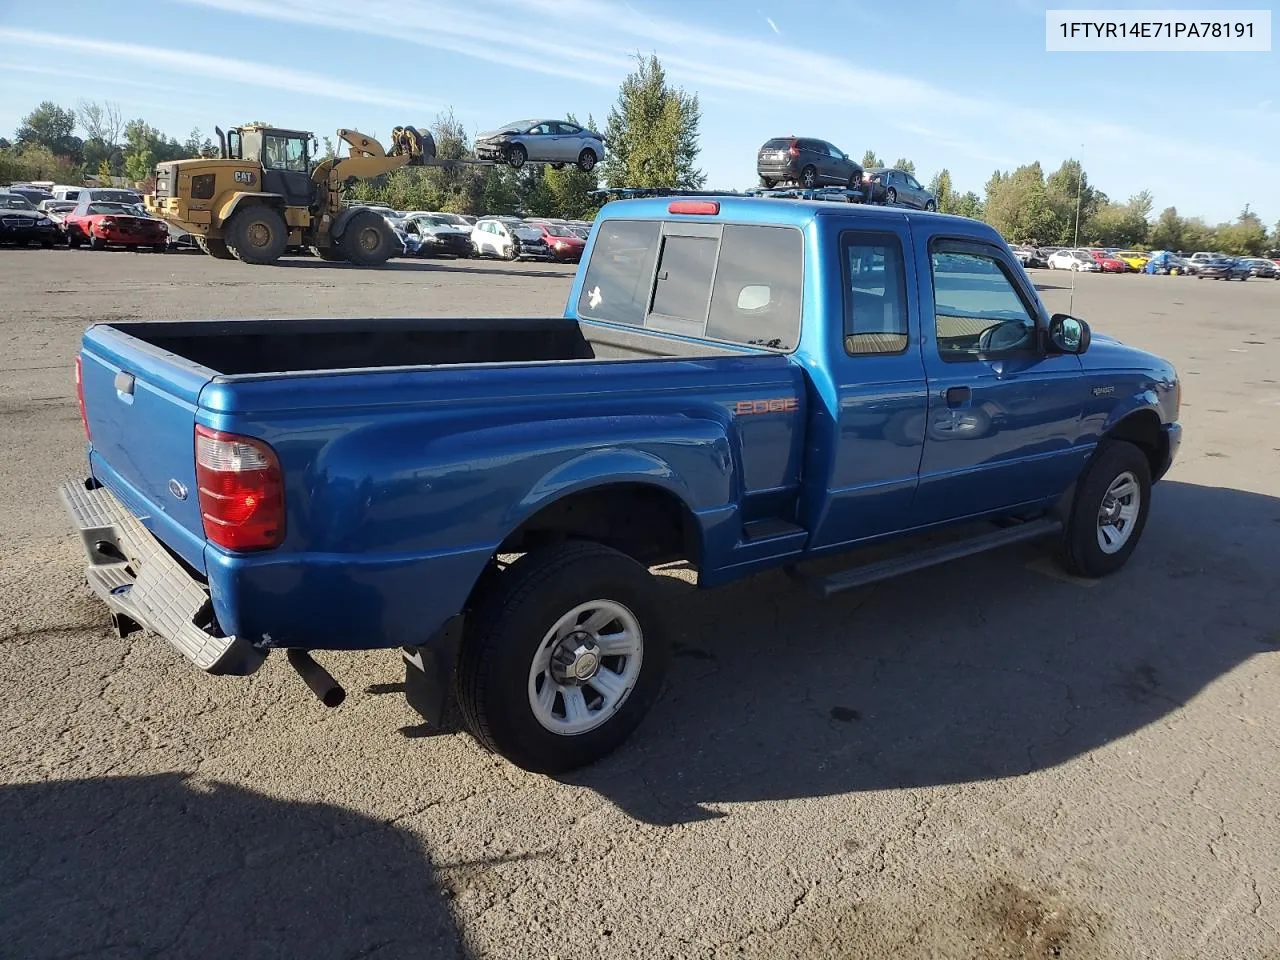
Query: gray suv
(807,162)
(888,185)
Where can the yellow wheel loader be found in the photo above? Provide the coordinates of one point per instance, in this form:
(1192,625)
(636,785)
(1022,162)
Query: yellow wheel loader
(265,193)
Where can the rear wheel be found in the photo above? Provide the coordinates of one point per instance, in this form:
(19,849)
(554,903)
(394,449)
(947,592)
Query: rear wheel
(809,177)
(587,160)
(929,206)
(257,235)
(215,247)
(563,657)
(767,183)
(1109,511)
(368,240)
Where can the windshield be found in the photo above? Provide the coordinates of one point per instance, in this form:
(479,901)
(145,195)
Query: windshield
(116,196)
(520,125)
(112,208)
(11,201)
(558,231)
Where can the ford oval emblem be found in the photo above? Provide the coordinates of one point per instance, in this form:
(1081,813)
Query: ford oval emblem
(178,489)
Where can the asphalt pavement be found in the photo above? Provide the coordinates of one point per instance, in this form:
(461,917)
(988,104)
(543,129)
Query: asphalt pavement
(982,760)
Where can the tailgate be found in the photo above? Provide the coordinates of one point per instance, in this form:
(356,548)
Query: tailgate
(140,403)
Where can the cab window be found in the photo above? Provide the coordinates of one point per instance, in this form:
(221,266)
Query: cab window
(977,308)
(285,153)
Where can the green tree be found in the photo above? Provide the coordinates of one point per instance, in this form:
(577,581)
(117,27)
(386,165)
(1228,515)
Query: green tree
(1061,189)
(104,173)
(1246,237)
(902,163)
(139,164)
(1167,234)
(970,205)
(652,132)
(943,193)
(1018,206)
(52,127)
(870,161)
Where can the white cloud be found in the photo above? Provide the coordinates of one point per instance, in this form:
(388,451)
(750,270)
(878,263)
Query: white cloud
(224,69)
(772,26)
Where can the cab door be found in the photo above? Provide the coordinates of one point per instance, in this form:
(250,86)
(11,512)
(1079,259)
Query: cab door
(867,436)
(1004,412)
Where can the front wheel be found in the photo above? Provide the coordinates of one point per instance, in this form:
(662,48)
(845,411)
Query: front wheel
(564,656)
(929,206)
(257,235)
(891,196)
(215,247)
(1109,511)
(513,252)
(97,243)
(368,240)
(517,155)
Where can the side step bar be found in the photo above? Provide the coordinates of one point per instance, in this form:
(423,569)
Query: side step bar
(886,569)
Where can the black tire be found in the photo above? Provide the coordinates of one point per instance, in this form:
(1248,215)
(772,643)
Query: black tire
(930,206)
(159,248)
(329,254)
(97,243)
(46,244)
(517,155)
(73,241)
(367,240)
(215,247)
(891,195)
(1081,554)
(809,177)
(587,160)
(506,630)
(767,183)
(257,234)
(514,252)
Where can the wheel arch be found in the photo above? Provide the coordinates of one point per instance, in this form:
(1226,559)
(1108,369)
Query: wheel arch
(243,199)
(1142,428)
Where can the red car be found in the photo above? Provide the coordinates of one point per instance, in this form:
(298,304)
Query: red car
(1108,263)
(102,224)
(565,245)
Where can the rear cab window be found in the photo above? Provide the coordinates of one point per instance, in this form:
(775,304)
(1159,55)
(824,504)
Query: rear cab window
(737,283)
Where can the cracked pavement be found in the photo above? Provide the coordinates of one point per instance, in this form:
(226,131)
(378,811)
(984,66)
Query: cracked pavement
(984,760)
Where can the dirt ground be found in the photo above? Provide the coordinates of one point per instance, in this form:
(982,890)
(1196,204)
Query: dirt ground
(983,760)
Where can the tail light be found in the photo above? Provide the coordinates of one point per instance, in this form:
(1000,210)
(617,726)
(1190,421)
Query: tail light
(84,417)
(241,491)
(705,208)
(107,222)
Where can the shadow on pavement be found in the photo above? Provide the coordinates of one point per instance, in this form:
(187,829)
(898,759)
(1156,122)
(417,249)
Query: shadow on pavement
(429,266)
(167,867)
(985,668)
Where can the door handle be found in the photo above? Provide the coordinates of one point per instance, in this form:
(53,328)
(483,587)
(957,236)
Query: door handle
(957,396)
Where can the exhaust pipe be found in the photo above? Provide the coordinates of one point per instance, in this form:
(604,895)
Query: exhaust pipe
(327,690)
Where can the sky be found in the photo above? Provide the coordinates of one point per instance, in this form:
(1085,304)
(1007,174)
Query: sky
(965,85)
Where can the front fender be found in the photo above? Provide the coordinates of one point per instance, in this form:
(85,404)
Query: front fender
(232,203)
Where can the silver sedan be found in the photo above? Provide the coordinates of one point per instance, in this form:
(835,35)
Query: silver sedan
(557,142)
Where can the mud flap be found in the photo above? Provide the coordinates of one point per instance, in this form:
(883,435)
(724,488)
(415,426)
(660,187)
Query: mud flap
(428,672)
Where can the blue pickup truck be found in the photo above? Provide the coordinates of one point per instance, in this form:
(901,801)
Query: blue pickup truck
(737,383)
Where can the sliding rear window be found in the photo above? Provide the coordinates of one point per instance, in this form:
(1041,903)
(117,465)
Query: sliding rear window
(732,282)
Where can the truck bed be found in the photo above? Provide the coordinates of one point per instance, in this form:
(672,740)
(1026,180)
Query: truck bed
(247,347)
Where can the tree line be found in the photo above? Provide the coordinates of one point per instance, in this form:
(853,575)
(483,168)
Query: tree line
(653,141)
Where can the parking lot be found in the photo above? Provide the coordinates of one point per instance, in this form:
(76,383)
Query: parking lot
(986,759)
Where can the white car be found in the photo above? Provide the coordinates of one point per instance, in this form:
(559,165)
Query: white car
(1073,260)
(508,238)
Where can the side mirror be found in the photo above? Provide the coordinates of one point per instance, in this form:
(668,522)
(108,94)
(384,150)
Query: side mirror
(1069,334)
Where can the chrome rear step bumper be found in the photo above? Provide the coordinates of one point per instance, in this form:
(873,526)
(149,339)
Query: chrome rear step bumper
(141,583)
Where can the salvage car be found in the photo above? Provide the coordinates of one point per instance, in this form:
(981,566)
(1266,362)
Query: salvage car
(807,162)
(437,236)
(889,186)
(508,238)
(737,384)
(1079,260)
(1216,267)
(1108,262)
(102,224)
(22,224)
(1261,268)
(557,142)
(565,245)
(1134,259)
